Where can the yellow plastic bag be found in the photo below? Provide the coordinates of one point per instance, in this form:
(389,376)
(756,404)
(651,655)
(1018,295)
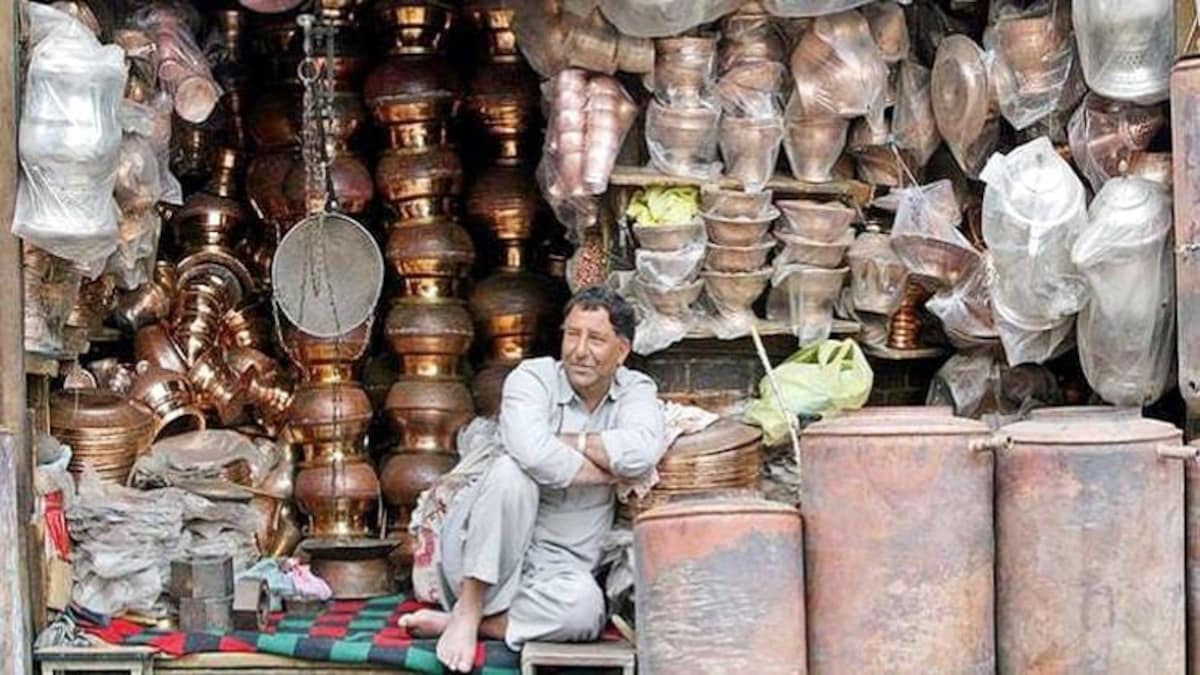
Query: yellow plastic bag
(820,379)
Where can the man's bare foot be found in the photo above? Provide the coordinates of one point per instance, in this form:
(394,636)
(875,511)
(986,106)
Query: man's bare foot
(456,647)
(426,623)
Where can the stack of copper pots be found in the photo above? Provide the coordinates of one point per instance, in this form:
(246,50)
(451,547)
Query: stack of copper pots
(336,486)
(103,430)
(512,306)
(274,120)
(414,97)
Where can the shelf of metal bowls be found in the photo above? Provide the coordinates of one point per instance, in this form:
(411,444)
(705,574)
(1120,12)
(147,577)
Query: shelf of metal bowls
(666,299)
(897,503)
(1090,550)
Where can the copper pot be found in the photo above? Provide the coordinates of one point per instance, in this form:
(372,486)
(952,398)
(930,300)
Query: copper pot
(312,353)
(813,146)
(430,335)
(341,13)
(889,29)
(512,309)
(167,395)
(1155,166)
(838,68)
(275,116)
(406,475)
(152,343)
(346,67)
(683,140)
(245,327)
(147,304)
(684,66)
(407,88)
(264,391)
(415,27)
(328,453)
(1104,134)
(750,148)
(103,429)
(1030,45)
(505,201)
(419,184)
(338,499)
(353,569)
(505,98)
(264,188)
(432,257)
(749,38)
(426,412)
(208,220)
(328,413)
(964,101)
(218,389)
(351,180)
(276,530)
(274,33)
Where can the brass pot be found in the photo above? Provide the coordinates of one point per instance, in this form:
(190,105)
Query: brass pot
(420,184)
(421,133)
(505,200)
(406,88)
(338,499)
(683,140)
(147,304)
(512,310)
(684,66)
(426,413)
(415,27)
(167,395)
(152,343)
(406,475)
(349,176)
(430,335)
(245,327)
(432,257)
(814,145)
(329,453)
(328,413)
(312,353)
(207,219)
(275,116)
(103,429)
(265,179)
(218,390)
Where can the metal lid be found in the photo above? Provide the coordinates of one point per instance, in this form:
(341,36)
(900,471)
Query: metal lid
(95,409)
(1089,425)
(896,421)
(720,506)
(723,435)
(327,275)
(962,98)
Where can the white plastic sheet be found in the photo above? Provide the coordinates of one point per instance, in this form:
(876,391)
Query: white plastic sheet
(1126,48)
(1030,55)
(660,18)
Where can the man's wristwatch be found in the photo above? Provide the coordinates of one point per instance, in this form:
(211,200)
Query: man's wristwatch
(581,443)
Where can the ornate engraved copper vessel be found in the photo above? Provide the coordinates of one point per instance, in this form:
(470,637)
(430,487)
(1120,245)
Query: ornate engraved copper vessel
(430,335)
(426,413)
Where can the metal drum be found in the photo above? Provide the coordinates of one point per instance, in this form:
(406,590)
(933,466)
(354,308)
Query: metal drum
(719,588)
(897,504)
(1192,560)
(1090,544)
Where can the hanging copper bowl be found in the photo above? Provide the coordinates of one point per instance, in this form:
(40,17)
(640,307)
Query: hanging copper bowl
(103,429)
(504,200)
(406,475)
(420,183)
(512,309)
(430,335)
(338,499)
(426,413)
(409,88)
(167,395)
(416,27)
(432,256)
(328,413)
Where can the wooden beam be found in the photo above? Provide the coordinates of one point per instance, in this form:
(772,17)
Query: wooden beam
(16,472)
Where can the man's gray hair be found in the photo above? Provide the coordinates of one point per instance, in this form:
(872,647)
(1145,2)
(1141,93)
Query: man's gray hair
(620,313)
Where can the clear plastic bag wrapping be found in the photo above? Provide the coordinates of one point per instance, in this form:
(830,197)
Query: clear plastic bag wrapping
(807,8)
(1104,134)
(929,211)
(1126,329)
(69,142)
(1126,48)
(51,289)
(182,70)
(656,330)
(1033,208)
(813,144)
(979,384)
(753,90)
(965,310)
(748,38)
(682,141)
(660,18)
(1025,343)
(684,69)
(670,268)
(804,297)
(1029,57)
(913,126)
(750,149)
(839,70)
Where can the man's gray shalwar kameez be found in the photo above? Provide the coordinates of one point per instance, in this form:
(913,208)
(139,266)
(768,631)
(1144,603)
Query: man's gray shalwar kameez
(521,529)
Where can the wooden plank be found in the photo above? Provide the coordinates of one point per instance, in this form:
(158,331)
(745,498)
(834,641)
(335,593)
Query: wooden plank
(889,354)
(1187,34)
(841,328)
(226,663)
(616,653)
(854,192)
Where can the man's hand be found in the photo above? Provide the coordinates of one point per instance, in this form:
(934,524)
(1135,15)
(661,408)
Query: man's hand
(590,474)
(593,450)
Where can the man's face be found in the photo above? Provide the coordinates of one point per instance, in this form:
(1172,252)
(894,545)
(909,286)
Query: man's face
(591,350)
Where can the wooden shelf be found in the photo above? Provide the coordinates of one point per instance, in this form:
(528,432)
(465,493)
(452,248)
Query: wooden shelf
(854,192)
(889,354)
(841,328)
(44,365)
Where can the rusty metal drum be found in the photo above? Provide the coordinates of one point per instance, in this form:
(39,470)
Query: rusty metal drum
(1191,520)
(897,504)
(720,588)
(1090,544)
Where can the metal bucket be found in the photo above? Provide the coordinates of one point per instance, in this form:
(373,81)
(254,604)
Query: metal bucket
(1090,544)
(897,504)
(719,588)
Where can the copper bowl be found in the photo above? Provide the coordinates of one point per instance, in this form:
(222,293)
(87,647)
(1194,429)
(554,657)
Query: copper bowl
(838,68)
(406,475)
(964,101)
(799,250)
(813,146)
(667,237)
(669,301)
(684,66)
(328,413)
(426,413)
(735,203)
(415,27)
(889,29)
(425,252)
(815,289)
(419,183)
(816,221)
(739,231)
(935,259)
(152,343)
(682,139)
(750,148)
(720,258)
(504,200)
(338,499)
(308,351)
(103,429)
(735,291)
(167,395)
(411,88)
(430,335)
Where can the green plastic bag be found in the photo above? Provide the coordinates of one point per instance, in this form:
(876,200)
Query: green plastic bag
(820,379)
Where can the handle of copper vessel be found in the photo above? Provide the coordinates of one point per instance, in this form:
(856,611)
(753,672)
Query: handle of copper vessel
(993,443)
(1184,452)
